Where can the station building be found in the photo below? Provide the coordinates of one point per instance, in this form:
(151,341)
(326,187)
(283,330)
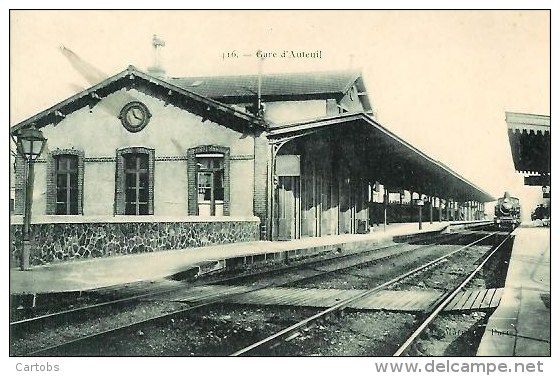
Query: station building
(141,162)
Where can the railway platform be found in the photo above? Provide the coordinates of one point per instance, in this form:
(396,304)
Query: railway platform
(110,271)
(520,326)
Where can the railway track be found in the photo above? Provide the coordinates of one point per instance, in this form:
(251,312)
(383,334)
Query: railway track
(104,297)
(294,265)
(362,260)
(272,340)
(446,299)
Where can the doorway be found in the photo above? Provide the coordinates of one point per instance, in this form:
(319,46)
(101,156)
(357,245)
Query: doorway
(288,207)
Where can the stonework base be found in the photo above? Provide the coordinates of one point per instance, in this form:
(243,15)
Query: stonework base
(73,241)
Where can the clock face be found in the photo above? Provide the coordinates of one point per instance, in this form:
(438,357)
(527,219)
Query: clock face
(135,116)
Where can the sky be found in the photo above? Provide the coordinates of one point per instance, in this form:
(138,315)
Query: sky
(441,80)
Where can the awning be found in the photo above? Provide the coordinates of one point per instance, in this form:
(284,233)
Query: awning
(386,157)
(529,139)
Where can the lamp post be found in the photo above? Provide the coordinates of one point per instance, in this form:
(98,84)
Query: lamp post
(420,204)
(30,143)
(385,204)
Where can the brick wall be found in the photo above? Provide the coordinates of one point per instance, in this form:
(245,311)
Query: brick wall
(20,167)
(260,193)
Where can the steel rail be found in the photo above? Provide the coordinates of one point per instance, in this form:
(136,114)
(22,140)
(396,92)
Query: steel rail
(170,290)
(218,299)
(89,307)
(294,266)
(219,281)
(446,301)
(341,305)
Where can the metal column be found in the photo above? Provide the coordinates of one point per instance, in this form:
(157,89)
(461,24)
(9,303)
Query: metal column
(411,206)
(419,213)
(26,246)
(400,205)
(385,202)
(431,209)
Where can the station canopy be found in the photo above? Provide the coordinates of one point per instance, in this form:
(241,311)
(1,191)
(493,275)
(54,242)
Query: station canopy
(529,139)
(386,157)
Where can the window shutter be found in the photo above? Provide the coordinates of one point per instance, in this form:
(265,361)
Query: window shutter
(151,172)
(51,185)
(192,197)
(81,173)
(226,181)
(20,170)
(119,184)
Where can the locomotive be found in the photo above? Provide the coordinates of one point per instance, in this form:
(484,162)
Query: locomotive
(507,212)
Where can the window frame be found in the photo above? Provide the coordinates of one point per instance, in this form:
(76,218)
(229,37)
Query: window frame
(67,171)
(120,203)
(212,172)
(140,174)
(52,182)
(192,176)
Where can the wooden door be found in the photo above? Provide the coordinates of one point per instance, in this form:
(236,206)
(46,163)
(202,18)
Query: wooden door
(326,204)
(346,206)
(288,207)
(308,215)
(334,204)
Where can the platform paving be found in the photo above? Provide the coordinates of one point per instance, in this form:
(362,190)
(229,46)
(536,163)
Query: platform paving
(520,326)
(475,300)
(406,301)
(389,300)
(109,271)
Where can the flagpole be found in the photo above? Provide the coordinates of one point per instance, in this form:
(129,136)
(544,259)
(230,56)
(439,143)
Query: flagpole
(157,43)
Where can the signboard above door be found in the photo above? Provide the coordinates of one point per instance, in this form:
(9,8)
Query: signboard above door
(288,165)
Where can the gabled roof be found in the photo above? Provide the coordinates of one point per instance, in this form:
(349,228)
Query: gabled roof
(411,168)
(286,86)
(133,78)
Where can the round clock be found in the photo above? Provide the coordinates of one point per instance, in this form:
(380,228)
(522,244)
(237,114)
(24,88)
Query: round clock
(135,116)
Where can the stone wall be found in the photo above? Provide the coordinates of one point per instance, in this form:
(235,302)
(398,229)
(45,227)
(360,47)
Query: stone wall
(74,241)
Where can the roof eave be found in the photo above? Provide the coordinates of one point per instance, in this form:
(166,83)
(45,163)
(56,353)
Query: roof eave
(51,110)
(294,127)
